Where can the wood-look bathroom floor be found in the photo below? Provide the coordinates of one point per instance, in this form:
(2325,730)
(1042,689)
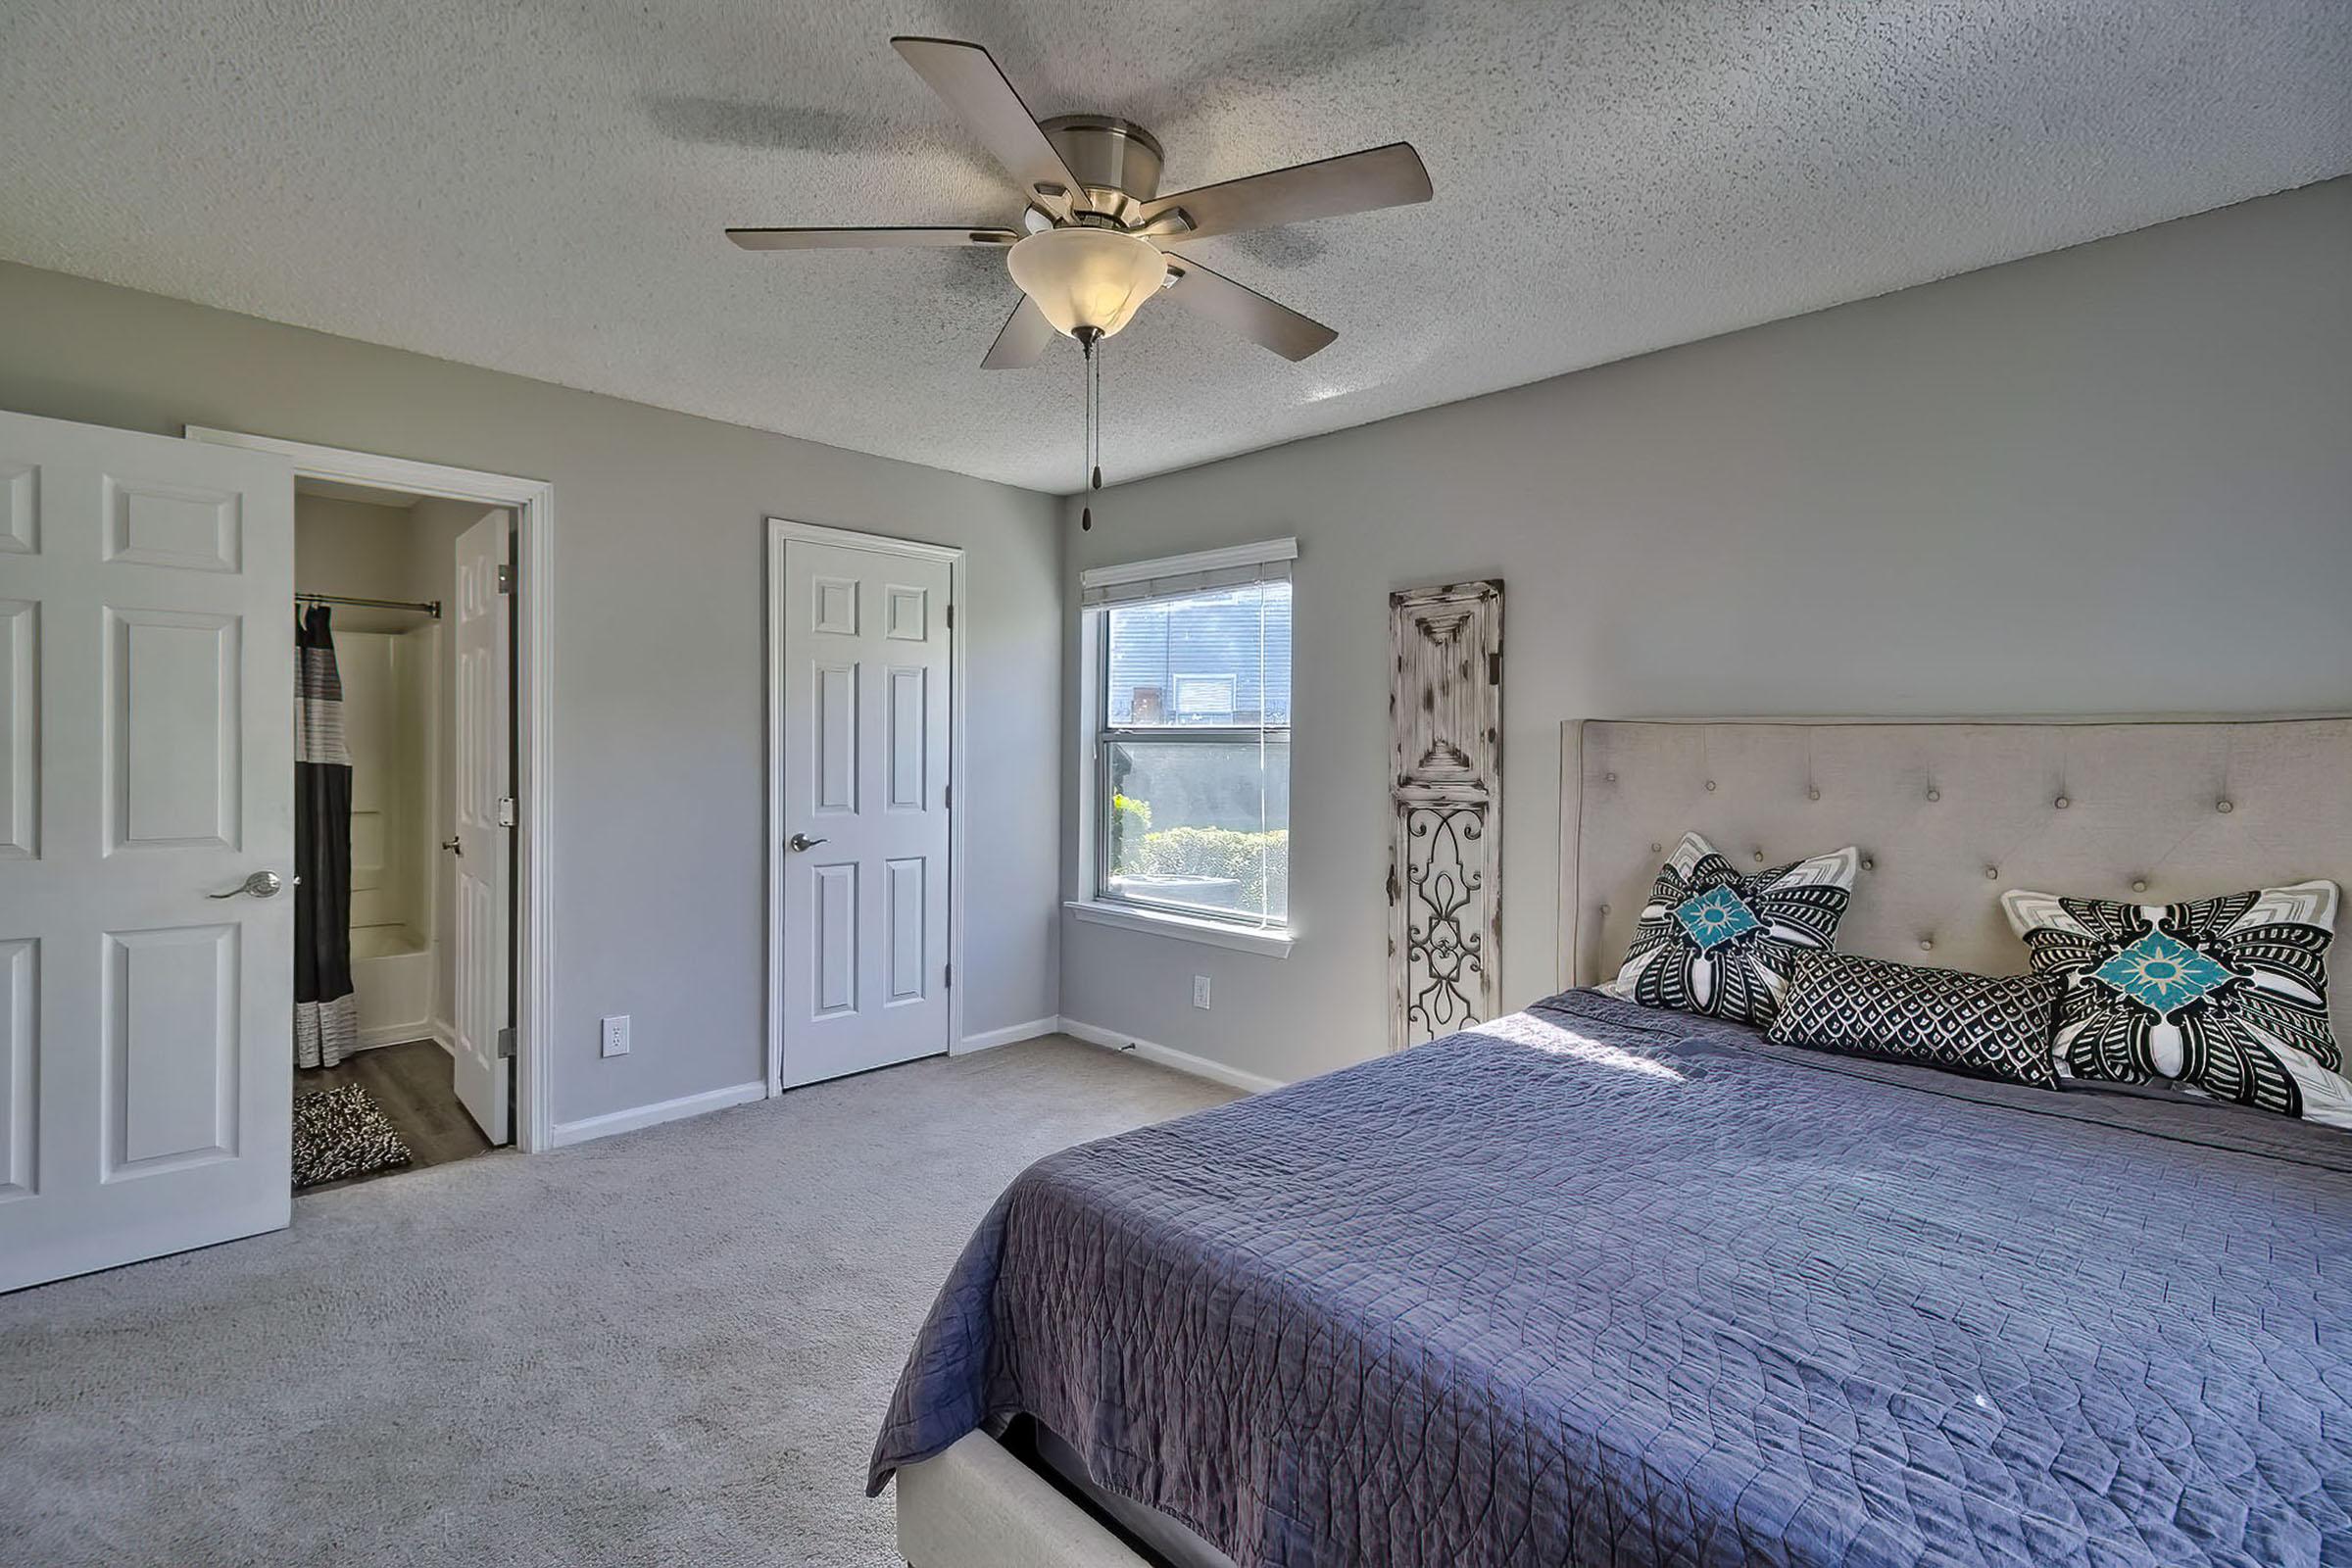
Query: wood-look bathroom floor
(413,1083)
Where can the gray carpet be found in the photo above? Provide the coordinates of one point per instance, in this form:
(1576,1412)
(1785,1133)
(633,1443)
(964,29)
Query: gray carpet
(670,1347)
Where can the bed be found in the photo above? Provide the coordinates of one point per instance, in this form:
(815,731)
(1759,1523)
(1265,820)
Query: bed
(1601,1284)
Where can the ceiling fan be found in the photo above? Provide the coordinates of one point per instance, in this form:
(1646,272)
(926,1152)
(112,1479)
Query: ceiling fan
(1093,245)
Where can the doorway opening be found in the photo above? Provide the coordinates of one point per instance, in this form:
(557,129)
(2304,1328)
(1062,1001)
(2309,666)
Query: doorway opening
(430,582)
(404,757)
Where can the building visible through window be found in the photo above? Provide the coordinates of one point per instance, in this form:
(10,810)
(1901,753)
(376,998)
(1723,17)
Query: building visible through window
(1193,754)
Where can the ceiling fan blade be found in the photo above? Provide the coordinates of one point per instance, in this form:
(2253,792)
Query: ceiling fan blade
(1353,182)
(1025,336)
(967,78)
(822,240)
(1246,311)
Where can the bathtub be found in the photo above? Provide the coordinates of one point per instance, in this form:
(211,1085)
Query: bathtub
(392,975)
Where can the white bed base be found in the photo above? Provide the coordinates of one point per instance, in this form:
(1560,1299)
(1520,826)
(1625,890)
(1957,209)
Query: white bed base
(1947,814)
(977,1507)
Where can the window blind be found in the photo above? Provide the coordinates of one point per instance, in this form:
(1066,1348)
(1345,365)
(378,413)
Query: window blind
(1174,575)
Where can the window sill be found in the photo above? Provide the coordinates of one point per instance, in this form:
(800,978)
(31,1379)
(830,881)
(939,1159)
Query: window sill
(1161,922)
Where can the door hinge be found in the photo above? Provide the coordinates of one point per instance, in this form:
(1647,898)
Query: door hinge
(1495,668)
(506,1044)
(950,975)
(947,797)
(951,618)
(505,810)
(505,578)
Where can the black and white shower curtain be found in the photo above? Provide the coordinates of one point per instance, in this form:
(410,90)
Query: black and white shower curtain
(327,1015)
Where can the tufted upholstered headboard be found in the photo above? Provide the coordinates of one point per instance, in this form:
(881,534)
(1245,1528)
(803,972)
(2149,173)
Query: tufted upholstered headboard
(1950,815)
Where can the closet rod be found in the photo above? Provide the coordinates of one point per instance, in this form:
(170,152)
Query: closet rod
(428,607)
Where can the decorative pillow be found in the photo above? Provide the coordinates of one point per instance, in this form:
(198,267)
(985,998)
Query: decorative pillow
(1987,1026)
(1715,942)
(2228,997)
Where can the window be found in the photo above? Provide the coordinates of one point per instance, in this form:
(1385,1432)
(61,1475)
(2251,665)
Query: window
(1190,708)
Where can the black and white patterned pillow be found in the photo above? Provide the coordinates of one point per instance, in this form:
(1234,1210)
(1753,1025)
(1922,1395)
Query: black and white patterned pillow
(2226,996)
(1987,1026)
(1714,942)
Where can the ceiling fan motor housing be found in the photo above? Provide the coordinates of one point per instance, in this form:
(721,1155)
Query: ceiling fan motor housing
(1090,242)
(1116,160)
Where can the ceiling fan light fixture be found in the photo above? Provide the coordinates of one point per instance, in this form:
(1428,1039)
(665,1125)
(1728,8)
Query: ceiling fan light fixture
(1085,277)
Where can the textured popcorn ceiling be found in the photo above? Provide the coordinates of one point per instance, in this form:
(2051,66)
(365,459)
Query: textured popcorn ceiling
(539,186)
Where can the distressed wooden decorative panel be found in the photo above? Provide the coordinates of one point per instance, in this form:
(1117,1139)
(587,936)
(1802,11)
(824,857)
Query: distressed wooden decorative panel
(1444,859)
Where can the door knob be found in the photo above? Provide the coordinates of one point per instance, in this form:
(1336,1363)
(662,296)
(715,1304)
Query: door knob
(452,845)
(260,885)
(802,840)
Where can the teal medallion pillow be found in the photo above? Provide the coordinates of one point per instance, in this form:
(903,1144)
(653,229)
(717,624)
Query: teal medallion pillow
(1711,940)
(2226,996)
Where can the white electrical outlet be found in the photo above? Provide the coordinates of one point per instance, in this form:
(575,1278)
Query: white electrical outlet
(1199,991)
(617,1035)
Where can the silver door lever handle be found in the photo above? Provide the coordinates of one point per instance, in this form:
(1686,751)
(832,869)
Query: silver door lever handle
(260,885)
(802,840)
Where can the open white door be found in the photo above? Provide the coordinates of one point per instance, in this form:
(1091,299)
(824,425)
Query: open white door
(146,846)
(862,684)
(485,822)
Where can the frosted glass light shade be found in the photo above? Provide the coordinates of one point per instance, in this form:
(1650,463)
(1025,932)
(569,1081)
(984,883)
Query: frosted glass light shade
(1080,276)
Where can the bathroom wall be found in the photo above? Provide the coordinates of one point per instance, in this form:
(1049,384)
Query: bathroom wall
(347,546)
(388,697)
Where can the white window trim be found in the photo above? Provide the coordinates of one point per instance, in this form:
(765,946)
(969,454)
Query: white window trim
(1268,941)
(1272,940)
(1257,555)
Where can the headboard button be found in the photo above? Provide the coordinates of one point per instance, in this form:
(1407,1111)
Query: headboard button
(1927,943)
(1760,857)
(1934,795)
(1655,848)
(1710,786)
(1992,873)
(1608,778)
(2223,807)
(1812,795)
(1869,864)
(1604,908)
(2062,802)
(2139,887)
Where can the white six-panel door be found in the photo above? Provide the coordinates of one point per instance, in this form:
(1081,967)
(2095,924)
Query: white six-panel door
(861,679)
(484,1001)
(146,768)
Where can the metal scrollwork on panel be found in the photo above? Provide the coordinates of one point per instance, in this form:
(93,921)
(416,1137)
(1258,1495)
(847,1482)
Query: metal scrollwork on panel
(1445,950)
(1445,877)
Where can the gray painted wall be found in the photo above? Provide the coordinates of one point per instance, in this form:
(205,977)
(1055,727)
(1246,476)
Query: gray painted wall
(2112,479)
(339,542)
(659,611)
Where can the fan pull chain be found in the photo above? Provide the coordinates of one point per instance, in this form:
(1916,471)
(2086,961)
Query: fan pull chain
(1088,342)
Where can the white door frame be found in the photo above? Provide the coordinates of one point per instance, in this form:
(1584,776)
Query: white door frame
(535,504)
(780,529)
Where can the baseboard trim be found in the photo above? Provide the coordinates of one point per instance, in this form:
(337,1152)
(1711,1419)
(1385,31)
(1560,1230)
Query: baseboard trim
(394,1035)
(1010,1034)
(1183,1061)
(445,1035)
(565,1133)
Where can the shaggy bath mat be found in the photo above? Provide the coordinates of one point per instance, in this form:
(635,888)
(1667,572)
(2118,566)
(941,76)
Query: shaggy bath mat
(339,1133)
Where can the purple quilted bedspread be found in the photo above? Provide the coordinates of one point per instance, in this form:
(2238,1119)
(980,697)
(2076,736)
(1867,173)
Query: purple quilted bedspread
(1600,1285)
